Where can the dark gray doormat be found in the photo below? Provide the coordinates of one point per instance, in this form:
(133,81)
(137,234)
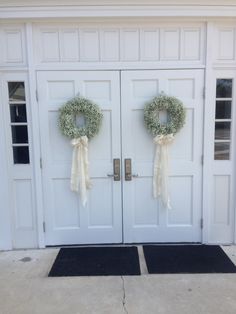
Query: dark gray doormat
(96,261)
(192,259)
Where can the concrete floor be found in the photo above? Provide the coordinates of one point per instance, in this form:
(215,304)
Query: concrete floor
(26,289)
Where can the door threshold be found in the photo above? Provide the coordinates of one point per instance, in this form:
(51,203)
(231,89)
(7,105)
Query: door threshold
(122,244)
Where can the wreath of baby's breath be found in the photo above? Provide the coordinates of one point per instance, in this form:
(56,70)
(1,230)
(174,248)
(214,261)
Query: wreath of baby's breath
(74,108)
(175,115)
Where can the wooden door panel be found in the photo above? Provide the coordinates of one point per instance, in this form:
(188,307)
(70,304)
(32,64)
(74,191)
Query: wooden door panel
(145,219)
(67,221)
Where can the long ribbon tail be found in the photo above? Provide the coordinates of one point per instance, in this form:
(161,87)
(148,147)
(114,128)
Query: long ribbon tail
(165,176)
(161,169)
(86,167)
(156,174)
(80,180)
(82,177)
(74,179)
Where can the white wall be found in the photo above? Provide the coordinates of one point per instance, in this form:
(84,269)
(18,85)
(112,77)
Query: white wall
(145,45)
(17,208)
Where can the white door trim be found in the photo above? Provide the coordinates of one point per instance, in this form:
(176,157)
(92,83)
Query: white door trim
(5,182)
(36,149)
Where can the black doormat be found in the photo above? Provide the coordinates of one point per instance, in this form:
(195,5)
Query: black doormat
(96,261)
(179,259)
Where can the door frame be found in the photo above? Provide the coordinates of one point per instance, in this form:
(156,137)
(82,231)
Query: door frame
(38,177)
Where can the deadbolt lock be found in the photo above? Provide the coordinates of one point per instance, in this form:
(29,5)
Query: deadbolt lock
(128,169)
(116,170)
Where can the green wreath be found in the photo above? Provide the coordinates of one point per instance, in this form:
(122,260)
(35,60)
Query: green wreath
(175,115)
(74,108)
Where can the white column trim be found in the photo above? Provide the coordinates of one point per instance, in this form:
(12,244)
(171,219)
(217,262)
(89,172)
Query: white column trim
(35,136)
(5,184)
(207,174)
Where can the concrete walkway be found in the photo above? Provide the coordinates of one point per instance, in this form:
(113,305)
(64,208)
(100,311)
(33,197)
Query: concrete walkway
(26,289)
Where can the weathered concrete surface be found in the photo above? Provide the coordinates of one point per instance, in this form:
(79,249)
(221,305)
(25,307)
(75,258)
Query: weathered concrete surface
(26,289)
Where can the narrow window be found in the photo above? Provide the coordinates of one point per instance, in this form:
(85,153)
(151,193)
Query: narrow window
(18,121)
(223,119)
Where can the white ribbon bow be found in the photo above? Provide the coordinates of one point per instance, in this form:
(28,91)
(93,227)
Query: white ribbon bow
(80,180)
(160,171)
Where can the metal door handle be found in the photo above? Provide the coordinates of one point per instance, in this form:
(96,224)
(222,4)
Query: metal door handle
(115,176)
(116,170)
(128,170)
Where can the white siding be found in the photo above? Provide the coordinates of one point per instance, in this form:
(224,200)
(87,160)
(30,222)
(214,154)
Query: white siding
(97,45)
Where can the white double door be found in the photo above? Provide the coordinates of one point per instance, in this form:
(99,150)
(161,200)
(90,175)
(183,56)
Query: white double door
(121,211)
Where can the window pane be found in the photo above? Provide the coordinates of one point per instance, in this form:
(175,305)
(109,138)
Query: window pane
(224,88)
(19,134)
(222,130)
(222,151)
(18,113)
(21,155)
(16,91)
(223,109)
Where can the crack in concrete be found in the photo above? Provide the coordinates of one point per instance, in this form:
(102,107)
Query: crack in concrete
(124,295)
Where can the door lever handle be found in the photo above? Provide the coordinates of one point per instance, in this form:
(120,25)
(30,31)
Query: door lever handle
(111,175)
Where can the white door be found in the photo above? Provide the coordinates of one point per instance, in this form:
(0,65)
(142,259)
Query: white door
(145,219)
(67,222)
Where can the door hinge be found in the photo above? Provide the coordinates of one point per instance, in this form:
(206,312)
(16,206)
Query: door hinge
(204,92)
(36,95)
(202,159)
(41,162)
(44,227)
(201,223)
